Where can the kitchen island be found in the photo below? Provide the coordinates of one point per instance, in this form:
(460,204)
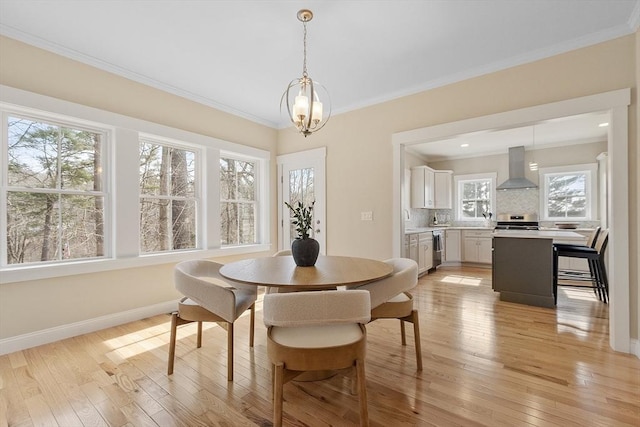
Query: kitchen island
(523,264)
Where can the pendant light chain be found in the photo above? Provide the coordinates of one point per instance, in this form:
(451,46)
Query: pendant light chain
(304,44)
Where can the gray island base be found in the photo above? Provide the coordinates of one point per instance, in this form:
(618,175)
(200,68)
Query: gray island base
(523,265)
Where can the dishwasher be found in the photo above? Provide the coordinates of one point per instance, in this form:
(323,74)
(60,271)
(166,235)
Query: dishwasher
(438,247)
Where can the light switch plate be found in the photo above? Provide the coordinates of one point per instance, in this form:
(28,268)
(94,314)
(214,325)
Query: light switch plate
(366,216)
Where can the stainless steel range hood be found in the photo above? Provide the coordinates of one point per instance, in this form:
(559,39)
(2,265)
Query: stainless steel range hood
(516,171)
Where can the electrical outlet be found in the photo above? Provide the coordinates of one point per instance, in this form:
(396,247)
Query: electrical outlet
(366,216)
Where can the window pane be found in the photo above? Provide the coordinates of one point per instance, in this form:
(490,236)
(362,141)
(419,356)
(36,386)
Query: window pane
(32,227)
(182,173)
(79,160)
(469,190)
(150,168)
(32,153)
(82,227)
(229,223)
(246,229)
(154,225)
(246,181)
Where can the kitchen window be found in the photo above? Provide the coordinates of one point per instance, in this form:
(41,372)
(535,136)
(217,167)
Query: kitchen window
(54,187)
(568,192)
(475,196)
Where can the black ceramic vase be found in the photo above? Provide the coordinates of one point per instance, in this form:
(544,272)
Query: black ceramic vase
(305,252)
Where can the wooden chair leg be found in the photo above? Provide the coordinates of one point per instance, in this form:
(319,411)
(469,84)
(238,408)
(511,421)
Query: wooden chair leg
(172,342)
(278,384)
(362,393)
(404,339)
(229,351)
(199,344)
(416,335)
(252,326)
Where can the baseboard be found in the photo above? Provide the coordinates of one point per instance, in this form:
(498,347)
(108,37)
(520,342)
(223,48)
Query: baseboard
(45,336)
(635,347)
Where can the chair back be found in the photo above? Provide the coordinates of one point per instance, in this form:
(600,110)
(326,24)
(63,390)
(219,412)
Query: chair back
(403,278)
(200,280)
(601,242)
(591,242)
(316,308)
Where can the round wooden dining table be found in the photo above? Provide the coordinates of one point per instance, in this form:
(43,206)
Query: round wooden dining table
(329,272)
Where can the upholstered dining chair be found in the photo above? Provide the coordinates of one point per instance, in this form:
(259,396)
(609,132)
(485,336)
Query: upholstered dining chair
(210,298)
(390,299)
(316,331)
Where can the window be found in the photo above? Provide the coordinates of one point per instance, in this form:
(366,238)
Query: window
(55,191)
(168,202)
(568,192)
(89,191)
(475,196)
(237,202)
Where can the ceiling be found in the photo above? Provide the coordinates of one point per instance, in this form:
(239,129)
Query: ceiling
(238,56)
(580,129)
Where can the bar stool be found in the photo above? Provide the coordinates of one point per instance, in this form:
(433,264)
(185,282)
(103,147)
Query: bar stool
(597,271)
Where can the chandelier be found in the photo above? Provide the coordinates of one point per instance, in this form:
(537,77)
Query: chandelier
(304,108)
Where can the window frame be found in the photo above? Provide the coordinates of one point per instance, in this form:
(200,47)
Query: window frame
(196,198)
(460,180)
(106,133)
(255,202)
(591,171)
(123,157)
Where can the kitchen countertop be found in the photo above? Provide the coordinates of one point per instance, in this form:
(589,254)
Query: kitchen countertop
(414,230)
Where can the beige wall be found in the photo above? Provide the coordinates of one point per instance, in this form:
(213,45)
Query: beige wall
(359,157)
(65,300)
(359,153)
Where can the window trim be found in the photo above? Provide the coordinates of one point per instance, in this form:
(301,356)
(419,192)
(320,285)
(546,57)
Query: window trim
(459,179)
(125,153)
(591,170)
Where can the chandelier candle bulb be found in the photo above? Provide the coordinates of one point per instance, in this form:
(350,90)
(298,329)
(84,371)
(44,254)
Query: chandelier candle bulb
(316,114)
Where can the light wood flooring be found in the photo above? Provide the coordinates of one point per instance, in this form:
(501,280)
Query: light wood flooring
(486,362)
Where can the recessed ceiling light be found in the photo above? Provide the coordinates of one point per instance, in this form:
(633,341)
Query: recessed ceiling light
(603,125)
(464,145)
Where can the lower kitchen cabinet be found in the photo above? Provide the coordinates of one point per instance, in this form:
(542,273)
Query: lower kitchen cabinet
(452,246)
(425,252)
(477,246)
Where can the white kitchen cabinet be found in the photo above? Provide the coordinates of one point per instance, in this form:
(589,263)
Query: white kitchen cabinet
(452,246)
(411,246)
(477,246)
(422,196)
(425,252)
(442,193)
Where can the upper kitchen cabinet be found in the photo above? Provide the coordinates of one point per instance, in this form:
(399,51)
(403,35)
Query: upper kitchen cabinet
(442,183)
(422,191)
(431,188)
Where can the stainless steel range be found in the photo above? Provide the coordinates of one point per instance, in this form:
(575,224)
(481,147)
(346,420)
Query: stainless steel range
(517,222)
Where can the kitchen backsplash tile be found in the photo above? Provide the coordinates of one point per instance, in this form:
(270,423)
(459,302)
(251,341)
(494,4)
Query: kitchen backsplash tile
(523,201)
